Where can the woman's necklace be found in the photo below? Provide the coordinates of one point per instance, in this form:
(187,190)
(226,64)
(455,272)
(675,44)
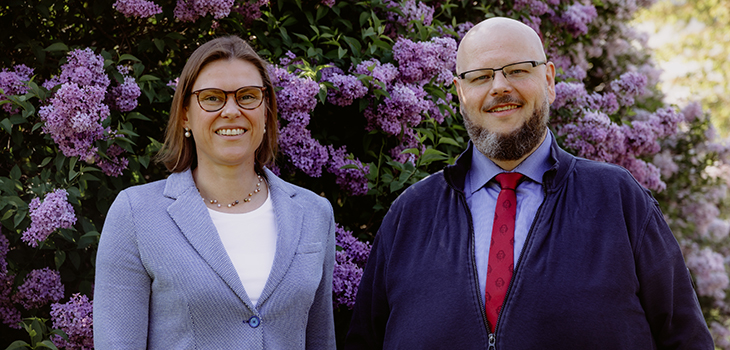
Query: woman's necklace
(245,200)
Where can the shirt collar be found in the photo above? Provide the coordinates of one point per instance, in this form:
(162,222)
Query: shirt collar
(534,166)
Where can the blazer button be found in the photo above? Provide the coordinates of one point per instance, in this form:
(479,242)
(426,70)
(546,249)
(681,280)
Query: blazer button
(254,321)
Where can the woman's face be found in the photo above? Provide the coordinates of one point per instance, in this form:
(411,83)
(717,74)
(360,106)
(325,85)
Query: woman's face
(231,135)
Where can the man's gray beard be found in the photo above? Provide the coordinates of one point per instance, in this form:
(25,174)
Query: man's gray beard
(511,146)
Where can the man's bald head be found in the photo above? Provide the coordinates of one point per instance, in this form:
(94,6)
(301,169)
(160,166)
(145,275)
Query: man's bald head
(495,34)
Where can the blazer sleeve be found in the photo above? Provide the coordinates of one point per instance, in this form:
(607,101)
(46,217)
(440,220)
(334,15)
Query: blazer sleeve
(320,325)
(670,302)
(122,285)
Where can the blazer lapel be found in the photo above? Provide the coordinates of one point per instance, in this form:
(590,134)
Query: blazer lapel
(191,216)
(289,219)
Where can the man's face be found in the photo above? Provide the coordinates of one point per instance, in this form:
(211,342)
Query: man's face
(505,118)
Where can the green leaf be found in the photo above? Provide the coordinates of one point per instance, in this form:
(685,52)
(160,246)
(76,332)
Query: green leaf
(56,47)
(160,44)
(137,115)
(7,214)
(59,258)
(147,77)
(88,238)
(15,173)
(18,344)
(127,56)
(448,141)
(431,155)
(45,161)
(46,344)
(7,126)
(415,151)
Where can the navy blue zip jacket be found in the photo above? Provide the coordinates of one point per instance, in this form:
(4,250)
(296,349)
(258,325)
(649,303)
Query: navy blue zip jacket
(600,270)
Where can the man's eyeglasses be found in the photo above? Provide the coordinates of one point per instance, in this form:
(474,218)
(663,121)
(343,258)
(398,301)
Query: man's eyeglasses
(512,72)
(213,100)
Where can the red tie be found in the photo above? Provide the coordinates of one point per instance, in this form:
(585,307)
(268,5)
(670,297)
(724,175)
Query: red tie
(501,248)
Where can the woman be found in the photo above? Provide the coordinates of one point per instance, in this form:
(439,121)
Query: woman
(223,254)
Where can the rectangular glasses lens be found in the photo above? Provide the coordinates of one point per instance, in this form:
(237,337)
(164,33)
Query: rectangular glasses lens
(248,96)
(212,98)
(479,77)
(519,70)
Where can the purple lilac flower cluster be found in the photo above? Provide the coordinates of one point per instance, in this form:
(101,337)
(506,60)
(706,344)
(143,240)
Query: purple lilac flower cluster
(708,267)
(137,8)
(592,133)
(303,151)
(75,318)
(250,11)
(403,108)
(124,97)
(9,314)
(721,335)
(73,117)
(76,111)
(54,213)
(349,264)
(577,18)
(296,99)
(114,164)
(422,61)
(39,288)
(347,88)
(4,249)
(352,180)
(628,86)
(191,10)
(13,83)
(411,10)
(297,96)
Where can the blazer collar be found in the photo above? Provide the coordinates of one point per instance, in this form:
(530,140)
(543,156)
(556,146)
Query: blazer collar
(192,218)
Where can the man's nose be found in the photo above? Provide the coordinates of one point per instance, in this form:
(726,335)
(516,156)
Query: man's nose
(500,84)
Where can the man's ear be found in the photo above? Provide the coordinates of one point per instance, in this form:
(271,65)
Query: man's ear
(550,77)
(459,93)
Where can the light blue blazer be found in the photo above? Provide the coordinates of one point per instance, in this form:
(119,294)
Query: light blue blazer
(164,280)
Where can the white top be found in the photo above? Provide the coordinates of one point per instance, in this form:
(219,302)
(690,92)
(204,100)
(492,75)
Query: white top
(250,241)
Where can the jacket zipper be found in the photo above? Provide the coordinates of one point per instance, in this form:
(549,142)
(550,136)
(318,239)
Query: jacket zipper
(493,336)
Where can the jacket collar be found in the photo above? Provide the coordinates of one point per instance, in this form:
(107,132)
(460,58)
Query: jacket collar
(564,162)
(192,218)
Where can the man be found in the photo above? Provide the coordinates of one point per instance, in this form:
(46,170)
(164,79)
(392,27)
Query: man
(589,261)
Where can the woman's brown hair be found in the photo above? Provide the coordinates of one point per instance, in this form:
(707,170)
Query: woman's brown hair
(178,151)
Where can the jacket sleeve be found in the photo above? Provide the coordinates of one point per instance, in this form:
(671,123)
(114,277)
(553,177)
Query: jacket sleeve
(666,293)
(320,325)
(371,311)
(122,285)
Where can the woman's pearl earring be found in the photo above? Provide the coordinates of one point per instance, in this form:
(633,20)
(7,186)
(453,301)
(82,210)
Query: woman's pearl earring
(187,132)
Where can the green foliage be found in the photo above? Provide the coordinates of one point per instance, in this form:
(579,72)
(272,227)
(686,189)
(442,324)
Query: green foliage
(39,335)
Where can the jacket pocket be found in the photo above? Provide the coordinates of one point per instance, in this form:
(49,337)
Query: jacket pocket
(309,248)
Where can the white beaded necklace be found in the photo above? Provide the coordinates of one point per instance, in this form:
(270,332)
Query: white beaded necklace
(232,204)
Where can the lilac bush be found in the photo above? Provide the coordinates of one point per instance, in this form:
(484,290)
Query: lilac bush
(75,318)
(12,83)
(40,288)
(366,108)
(48,216)
(349,264)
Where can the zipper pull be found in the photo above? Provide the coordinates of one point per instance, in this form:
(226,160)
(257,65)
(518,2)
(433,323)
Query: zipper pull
(492,342)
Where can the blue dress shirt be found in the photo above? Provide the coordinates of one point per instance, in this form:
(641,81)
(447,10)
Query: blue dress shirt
(481,195)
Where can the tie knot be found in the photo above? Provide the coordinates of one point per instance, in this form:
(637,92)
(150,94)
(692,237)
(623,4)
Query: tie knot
(509,180)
